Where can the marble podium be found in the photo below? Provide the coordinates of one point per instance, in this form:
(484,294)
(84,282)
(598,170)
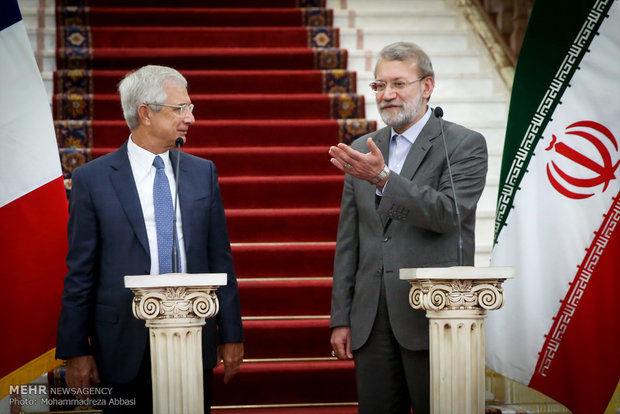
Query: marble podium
(175,307)
(456,300)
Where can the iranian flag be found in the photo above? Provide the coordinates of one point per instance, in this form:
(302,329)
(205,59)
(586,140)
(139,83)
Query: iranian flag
(558,215)
(33,211)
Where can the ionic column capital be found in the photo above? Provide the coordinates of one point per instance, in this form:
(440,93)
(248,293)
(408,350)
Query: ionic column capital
(456,288)
(174,302)
(440,294)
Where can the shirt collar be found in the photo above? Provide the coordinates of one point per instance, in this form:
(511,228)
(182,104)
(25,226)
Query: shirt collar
(143,159)
(414,130)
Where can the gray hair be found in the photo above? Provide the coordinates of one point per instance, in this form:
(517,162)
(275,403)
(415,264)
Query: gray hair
(405,51)
(146,85)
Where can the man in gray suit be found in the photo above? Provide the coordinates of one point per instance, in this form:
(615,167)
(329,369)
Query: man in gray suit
(398,211)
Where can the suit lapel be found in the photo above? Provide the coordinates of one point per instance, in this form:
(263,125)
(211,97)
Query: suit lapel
(126,191)
(382,140)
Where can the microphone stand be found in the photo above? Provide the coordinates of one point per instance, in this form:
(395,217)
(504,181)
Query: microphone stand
(439,114)
(175,244)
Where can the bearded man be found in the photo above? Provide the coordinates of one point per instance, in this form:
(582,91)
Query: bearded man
(398,211)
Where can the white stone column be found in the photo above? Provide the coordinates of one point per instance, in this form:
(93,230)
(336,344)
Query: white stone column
(456,301)
(175,307)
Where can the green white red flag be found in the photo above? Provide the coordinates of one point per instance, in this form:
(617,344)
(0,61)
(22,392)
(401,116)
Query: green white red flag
(558,215)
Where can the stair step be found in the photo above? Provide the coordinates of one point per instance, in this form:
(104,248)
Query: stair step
(461,109)
(288,338)
(488,200)
(395,5)
(448,84)
(389,19)
(274,260)
(225,37)
(231,107)
(35,16)
(215,4)
(282,191)
(210,58)
(369,38)
(282,225)
(286,383)
(202,16)
(242,81)
(279,161)
(467,61)
(238,133)
(270,298)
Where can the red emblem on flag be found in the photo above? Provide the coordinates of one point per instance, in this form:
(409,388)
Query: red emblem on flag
(588,159)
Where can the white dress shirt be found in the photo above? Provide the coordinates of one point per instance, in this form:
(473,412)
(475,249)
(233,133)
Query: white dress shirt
(141,162)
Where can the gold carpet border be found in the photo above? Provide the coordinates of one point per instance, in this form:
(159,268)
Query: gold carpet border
(317,16)
(29,371)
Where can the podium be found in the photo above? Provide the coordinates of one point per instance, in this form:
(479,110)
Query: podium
(175,307)
(456,300)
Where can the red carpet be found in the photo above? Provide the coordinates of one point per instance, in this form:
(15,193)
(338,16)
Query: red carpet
(228,106)
(195,37)
(206,17)
(311,260)
(272,93)
(222,81)
(182,58)
(217,133)
(263,338)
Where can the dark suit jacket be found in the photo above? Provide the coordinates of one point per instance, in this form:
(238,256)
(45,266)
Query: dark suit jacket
(414,225)
(107,241)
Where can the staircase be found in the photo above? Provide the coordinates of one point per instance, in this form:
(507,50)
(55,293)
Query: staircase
(272,93)
(274,87)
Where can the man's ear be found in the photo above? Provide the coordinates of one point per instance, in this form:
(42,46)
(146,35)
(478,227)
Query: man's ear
(145,113)
(428,85)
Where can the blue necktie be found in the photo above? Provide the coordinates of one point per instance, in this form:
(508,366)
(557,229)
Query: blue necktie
(164,214)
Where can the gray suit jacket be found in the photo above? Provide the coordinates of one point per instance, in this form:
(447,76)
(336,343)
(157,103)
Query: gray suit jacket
(413,225)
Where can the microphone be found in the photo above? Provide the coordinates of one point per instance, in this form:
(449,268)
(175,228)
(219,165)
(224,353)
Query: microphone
(439,114)
(175,244)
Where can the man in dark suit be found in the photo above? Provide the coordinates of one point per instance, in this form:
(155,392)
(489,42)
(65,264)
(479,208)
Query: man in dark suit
(398,212)
(113,232)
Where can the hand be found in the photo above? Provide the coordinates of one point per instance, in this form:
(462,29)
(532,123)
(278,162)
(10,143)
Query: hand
(81,373)
(341,342)
(232,355)
(363,166)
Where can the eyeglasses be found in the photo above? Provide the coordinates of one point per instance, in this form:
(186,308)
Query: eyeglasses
(396,85)
(183,108)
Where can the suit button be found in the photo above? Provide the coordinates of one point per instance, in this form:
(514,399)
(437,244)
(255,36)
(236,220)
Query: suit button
(386,239)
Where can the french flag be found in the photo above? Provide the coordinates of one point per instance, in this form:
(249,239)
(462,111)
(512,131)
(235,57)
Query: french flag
(33,210)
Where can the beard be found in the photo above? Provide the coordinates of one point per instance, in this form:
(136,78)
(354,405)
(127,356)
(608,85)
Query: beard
(400,118)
